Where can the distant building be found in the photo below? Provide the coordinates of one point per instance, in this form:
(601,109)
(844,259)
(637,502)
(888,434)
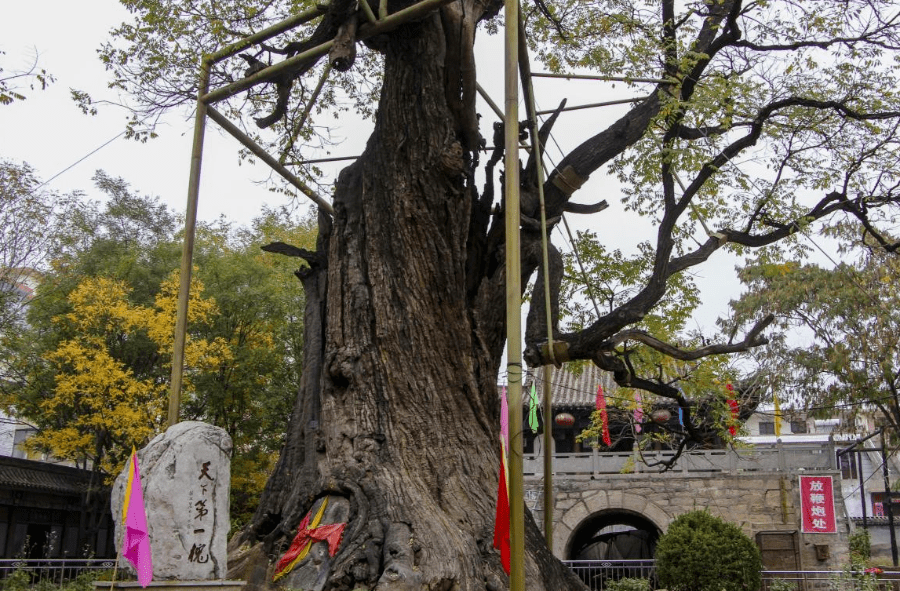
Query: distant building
(52,511)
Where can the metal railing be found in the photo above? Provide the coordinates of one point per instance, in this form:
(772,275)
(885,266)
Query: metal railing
(761,458)
(54,570)
(597,574)
(829,580)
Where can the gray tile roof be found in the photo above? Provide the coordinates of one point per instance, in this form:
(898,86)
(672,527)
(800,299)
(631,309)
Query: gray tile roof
(573,388)
(40,476)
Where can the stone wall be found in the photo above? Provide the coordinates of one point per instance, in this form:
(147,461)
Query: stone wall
(757,502)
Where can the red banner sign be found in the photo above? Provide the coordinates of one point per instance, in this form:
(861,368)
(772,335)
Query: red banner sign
(817,505)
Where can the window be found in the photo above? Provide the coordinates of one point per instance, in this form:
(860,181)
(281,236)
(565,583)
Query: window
(799,427)
(767,428)
(848,465)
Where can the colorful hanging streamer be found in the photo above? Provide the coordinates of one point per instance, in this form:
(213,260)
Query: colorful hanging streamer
(777,416)
(501,517)
(136,541)
(604,417)
(504,418)
(307,535)
(533,410)
(638,412)
(735,408)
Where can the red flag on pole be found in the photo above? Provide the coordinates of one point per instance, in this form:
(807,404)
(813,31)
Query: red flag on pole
(604,417)
(735,409)
(501,520)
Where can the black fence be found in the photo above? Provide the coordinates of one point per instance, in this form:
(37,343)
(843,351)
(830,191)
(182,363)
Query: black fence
(597,574)
(54,570)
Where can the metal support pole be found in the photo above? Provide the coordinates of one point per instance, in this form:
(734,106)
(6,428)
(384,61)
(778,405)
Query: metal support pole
(260,153)
(548,457)
(525,73)
(888,497)
(514,299)
(187,250)
(862,487)
(306,111)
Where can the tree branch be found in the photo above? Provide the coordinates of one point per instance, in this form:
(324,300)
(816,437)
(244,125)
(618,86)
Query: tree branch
(752,339)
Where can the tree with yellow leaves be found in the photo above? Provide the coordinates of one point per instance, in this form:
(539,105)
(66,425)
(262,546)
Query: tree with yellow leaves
(101,403)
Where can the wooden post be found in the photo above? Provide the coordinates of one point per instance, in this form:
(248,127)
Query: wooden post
(187,250)
(514,300)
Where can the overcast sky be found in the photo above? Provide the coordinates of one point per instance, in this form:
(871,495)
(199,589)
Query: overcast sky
(50,133)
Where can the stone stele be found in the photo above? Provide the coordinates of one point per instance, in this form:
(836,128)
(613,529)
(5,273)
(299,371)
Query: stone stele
(186,477)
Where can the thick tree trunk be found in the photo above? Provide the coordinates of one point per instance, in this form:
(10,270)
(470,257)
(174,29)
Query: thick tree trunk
(398,419)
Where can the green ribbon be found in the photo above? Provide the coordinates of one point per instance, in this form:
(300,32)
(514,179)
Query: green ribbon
(533,410)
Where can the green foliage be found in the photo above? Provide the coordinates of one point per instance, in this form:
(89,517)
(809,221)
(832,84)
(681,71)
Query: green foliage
(18,580)
(844,329)
(12,82)
(860,548)
(629,585)
(21,580)
(783,585)
(91,368)
(700,552)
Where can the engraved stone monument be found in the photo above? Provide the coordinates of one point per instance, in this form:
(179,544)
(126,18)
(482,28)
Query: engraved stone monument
(186,476)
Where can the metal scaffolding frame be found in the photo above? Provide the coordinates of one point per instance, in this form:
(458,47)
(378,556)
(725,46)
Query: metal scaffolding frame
(516,69)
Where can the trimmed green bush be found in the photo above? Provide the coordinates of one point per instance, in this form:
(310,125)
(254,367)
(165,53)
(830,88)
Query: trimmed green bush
(629,585)
(704,553)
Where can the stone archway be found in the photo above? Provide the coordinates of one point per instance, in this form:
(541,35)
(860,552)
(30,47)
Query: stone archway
(598,513)
(613,534)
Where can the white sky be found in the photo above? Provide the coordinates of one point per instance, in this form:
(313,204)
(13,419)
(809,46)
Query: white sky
(51,134)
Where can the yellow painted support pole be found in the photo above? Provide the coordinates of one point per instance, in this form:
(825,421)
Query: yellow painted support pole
(514,299)
(187,250)
(525,71)
(548,457)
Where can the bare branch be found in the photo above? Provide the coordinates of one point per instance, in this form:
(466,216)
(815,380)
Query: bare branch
(753,339)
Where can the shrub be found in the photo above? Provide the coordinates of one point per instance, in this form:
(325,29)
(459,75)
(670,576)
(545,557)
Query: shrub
(629,585)
(860,548)
(783,585)
(704,553)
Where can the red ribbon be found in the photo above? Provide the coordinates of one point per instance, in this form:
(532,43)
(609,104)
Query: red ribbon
(331,533)
(604,417)
(735,408)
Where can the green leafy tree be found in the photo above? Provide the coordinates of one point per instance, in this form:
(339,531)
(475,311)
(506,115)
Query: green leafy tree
(252,395)
(761,119)
(30,218)
(700,552)
(103,399)
(120,256)
(13,82)
(839,344)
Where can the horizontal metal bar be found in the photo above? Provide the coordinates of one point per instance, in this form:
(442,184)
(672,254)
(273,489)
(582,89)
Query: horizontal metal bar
(220,94)
(497,110)
(398,18)
(276,29)
(258,150)
(365,31)
(601,78)
(592,105)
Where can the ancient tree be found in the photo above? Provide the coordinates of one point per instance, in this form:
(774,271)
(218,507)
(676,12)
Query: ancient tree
(764,120)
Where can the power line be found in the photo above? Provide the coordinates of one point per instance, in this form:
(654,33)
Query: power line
(82,159)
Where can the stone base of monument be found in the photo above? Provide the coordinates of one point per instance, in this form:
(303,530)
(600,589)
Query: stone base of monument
(171,585)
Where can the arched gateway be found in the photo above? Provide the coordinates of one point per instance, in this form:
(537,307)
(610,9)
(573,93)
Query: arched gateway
(610,523)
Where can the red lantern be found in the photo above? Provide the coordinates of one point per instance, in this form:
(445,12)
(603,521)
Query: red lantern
(660,416)
(564,419)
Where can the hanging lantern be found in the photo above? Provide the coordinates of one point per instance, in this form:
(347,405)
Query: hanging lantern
(564,419)
(660,416)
